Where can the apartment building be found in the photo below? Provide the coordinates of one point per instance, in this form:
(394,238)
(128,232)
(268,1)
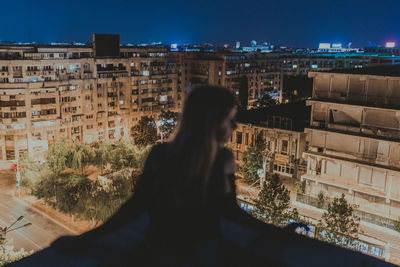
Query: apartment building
(354,146)
(49,92)
(302,63)
(248,75)
(284,135)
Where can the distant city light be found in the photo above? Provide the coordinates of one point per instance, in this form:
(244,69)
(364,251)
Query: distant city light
(324,45)
(174,47)
(390,44)
(338,45)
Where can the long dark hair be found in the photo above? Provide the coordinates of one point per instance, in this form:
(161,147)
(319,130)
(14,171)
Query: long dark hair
(195,146)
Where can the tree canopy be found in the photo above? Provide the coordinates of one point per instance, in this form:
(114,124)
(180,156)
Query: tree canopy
(253,159)
(8,254)
(339,225)
(59,156)
(144,132)
(273,203)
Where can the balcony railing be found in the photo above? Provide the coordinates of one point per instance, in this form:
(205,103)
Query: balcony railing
(364,216)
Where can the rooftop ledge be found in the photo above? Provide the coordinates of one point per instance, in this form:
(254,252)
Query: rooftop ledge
(275,247)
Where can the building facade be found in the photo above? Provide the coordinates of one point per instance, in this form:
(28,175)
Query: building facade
(302,63)
(354,146)
(251,75)
(284,145)
(50,92)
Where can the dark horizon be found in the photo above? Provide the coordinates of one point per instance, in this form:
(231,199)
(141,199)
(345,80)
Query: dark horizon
(290,23)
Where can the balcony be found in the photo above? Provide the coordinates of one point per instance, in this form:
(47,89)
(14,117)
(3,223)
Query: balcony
(364,216)
(111,69)
(43,101)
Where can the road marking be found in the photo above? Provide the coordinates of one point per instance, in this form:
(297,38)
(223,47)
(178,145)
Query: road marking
(27,238)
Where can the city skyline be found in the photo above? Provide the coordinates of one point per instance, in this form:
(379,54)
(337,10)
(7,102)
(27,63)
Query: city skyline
(290,23)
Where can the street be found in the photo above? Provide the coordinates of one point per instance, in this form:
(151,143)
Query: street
(35,237)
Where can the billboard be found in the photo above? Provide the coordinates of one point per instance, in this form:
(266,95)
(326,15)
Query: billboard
(106,45)
(390,44)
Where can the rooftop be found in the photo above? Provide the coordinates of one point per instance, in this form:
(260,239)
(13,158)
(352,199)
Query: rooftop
(392,70)
(297,112)
(238,246)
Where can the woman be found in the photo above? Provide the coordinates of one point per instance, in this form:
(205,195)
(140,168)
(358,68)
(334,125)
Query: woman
(187,185)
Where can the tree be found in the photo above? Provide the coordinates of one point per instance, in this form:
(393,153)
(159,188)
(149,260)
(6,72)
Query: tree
(168,122)
(98,203)
(82,156)
(8,254)
(121,189)
(103,155)
(273,203)
(253,159)
(46,188)
(32,171)
(69,193)
(145,132)
(59,156)
(139,156)
(123,154)
(339,225)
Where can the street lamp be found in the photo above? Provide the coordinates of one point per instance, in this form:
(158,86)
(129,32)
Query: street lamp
(5,230)
(18,176)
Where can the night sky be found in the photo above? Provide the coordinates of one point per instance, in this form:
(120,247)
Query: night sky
(292,23)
